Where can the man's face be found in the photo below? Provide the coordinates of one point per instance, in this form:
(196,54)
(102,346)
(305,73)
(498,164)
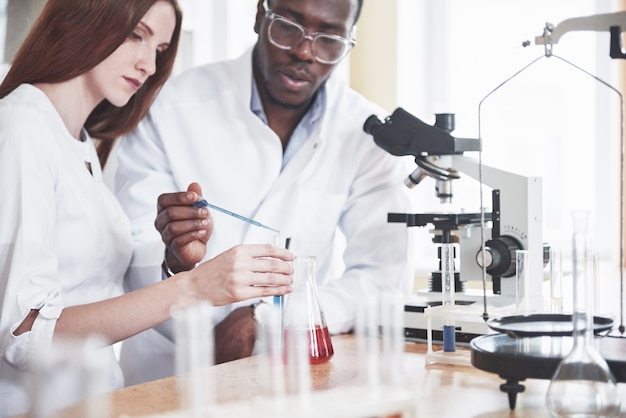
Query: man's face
(290,78)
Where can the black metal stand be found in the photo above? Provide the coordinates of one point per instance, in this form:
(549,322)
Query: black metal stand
(517,359)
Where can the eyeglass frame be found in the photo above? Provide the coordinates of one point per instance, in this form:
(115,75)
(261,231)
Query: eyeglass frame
(307,35)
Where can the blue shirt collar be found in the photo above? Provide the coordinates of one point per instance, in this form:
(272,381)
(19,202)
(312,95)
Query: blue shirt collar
(305,128)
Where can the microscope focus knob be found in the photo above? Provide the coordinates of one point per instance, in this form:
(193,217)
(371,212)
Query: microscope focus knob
(499,256)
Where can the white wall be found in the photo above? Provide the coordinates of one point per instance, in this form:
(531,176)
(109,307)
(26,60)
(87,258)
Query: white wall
(3,25)
(551,121)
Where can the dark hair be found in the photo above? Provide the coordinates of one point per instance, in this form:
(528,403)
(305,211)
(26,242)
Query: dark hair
(71,37)
(359,7)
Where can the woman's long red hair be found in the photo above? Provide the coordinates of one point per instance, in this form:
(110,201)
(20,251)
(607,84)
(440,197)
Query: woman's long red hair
(71,37)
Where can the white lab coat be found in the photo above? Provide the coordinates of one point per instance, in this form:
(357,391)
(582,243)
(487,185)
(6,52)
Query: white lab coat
(64,239)
(201,129)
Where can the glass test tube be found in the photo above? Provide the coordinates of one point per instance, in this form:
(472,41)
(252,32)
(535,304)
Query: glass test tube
(367,338)
(72,370)
(279,301)
(379,333)
(193,328)
(392,329)
(447,293)
(556,281)
(581,258)
(270,358)
(296,351)
(522,283)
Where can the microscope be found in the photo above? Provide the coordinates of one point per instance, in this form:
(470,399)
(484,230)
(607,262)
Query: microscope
(514,222)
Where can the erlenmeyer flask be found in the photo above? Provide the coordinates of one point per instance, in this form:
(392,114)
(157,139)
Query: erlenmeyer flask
(583,385)
(303,311)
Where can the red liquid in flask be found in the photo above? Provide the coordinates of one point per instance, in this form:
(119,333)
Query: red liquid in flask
(320,345)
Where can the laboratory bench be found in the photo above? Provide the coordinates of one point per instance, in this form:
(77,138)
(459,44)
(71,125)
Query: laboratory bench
(439,390)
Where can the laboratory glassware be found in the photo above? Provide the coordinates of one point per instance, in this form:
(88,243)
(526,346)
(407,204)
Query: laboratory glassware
(379,334)
(271,368)
(595,303)
(522,281)
(583,385)
(296,351)
(367,335)
(69,373)
(556,281)
(279,300)
(392,333)
(447,293)
(303,310)
(193,333)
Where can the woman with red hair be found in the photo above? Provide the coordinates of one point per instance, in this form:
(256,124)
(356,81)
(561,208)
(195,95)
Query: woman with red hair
(90,69)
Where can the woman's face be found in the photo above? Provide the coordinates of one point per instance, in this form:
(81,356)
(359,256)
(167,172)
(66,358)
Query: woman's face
(123,72)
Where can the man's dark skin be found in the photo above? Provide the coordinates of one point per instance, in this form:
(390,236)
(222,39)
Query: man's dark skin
(288,81)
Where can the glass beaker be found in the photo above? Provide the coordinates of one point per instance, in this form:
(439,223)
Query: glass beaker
(303,311)
(583,385)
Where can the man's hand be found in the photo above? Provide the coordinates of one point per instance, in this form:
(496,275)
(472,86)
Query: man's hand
(235,335)
(184,228)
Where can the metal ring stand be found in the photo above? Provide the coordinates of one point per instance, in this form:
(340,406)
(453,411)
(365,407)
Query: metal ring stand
(516,358)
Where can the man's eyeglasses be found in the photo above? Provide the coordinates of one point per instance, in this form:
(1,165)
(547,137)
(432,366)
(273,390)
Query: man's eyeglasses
(325,47)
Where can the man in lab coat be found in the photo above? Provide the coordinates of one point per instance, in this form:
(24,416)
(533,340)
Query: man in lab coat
(272,136)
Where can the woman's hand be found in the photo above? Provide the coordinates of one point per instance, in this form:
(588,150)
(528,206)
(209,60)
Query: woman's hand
(243,272)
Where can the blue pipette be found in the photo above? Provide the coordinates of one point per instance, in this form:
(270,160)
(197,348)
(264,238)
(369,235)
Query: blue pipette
(203,203)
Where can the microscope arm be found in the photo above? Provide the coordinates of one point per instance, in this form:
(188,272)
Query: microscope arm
(491,176)
(519,215)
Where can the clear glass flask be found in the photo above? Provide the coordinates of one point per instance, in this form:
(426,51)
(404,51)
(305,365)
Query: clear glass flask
(311,318)
(583,385)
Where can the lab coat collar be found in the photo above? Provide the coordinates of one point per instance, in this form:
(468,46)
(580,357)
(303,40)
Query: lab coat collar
(242,72)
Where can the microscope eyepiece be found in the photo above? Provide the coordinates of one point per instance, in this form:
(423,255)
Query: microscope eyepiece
(371,124)
(445,121)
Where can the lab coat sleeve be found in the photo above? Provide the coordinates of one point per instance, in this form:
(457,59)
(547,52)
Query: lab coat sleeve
(28,264)
(377,254)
